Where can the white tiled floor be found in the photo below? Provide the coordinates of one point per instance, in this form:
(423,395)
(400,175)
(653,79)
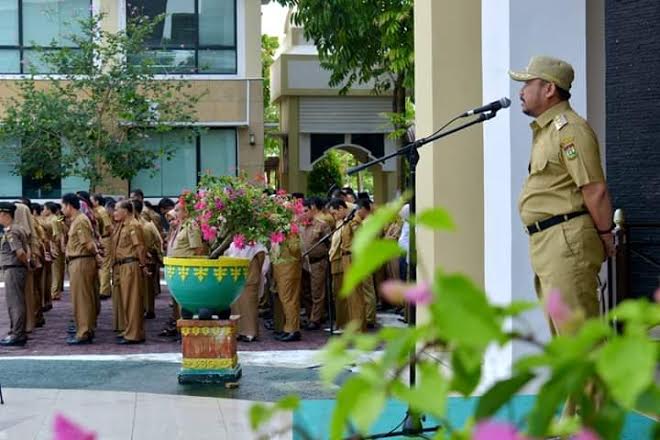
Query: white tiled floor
(28,414)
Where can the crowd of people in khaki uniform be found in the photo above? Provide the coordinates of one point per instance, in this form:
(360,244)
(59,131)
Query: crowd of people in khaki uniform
(109,249)
(113,250)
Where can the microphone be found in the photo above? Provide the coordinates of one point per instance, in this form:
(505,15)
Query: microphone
(492,107)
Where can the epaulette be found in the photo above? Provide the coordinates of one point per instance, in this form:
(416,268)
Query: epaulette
(560,121)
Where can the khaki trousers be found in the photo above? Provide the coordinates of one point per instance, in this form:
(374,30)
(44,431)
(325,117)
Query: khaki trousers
(83,278)
(46,283)
(568,257)
(247,305)
(15,298)
(105,288)
(370,300)
(318,276)
(341,306)
(132,300)
(356,301)
(118,323)
(30,302)
(288,278)
(57,284)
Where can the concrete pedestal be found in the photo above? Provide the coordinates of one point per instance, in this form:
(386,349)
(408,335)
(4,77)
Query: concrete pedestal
(209,351)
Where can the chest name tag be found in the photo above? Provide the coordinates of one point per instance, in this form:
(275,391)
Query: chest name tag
(569,151)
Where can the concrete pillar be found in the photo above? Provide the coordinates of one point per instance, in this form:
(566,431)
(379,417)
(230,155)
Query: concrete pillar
(450,172)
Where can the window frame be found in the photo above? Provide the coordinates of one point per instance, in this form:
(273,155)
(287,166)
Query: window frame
(198,161)
(197,48)
(21,48)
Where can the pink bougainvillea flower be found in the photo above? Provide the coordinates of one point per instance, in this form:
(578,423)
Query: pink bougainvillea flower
(557,309)
(207,215)
(239,241)
(492,430)
(294,228)
(393,291)
(281,192)
(65,429)
(201,193)
(201,205)
(586,434)
(419,294)
(277,237)
(298,207)
(209,233)
(219,205)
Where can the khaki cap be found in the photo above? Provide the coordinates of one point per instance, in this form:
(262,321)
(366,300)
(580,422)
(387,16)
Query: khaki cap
(550,69)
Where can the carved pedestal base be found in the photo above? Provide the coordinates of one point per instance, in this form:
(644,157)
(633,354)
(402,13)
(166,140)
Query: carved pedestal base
(209,351)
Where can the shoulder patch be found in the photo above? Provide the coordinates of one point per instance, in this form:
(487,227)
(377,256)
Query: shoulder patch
(569,150)
(560,121)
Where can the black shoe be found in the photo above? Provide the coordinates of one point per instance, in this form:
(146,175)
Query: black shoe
(313,326)
(105,297)
(168,332)
(40,323)
(150,315)
(123,341)
(290,337)
(13,341)
(47,308)
(76,341)
(243,338)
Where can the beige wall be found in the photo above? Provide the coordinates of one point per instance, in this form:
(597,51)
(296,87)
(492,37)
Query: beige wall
(450,172)
(252,38)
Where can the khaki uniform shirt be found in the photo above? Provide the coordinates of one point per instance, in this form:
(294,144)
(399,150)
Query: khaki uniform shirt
(565,157)
(347,234)
(187,239)
(152,216)
(81,236)
(60,231)
(127,240)
(103,221)
(335,252)
(153,242)
(311,234)
(14,239)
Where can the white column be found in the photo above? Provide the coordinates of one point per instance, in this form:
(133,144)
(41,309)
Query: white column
(512,32)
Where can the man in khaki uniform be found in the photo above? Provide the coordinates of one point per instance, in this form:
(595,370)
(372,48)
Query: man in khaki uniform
(57,245)
(315,264)
(129,264)
(14,256)
(153,243)
(338,209)
(81,260)
(287,272)
(41,216)
(104,224)
(565,204)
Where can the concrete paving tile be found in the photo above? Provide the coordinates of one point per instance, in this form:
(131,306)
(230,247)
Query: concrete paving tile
(177,417)
(25,412)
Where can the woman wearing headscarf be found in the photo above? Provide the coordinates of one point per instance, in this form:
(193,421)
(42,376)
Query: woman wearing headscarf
(35,318)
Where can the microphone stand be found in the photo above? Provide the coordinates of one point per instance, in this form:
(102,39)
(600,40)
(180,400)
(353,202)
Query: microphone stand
(328,275)
(412,424)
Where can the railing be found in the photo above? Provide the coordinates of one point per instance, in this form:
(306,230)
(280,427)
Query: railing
(618,285)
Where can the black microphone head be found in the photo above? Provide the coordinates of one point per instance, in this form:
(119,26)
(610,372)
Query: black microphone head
(505,102)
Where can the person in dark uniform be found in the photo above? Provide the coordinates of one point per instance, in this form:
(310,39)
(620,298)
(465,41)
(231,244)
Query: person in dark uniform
(14,257)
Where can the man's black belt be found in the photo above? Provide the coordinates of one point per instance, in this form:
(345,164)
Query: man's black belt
(125,261)
(75,257)
(317,259)
(13,266)
(552,221)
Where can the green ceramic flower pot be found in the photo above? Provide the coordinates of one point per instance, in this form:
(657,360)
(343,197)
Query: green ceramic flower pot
(202,284)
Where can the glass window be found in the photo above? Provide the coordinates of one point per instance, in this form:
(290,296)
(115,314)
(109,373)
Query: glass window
(10,61)
(9,23)
(217,25)
(213,151)
(200,35)
(10,184)
(218,152)
(45,21)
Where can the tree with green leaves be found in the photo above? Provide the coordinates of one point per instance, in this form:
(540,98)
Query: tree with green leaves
(362,41)
(269,45)
(96,114)
(325,173)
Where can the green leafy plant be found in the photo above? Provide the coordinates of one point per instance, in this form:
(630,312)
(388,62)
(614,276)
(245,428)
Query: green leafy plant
(605,372)
(96,114)
(325,173)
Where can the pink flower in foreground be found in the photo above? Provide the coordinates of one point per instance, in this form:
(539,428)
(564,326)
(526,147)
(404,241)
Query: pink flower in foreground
(277,237)
(294,228)
(393,291)
(65,429)
(491,430)
(419,294)
(557,309)
(586,434)
(239,241)
(201,205)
